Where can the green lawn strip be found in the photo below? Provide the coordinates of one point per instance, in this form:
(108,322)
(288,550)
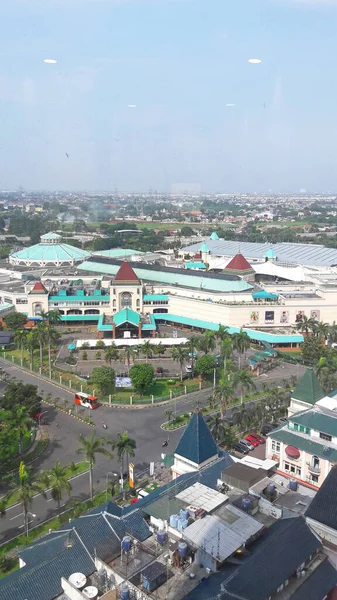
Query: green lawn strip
(81,467)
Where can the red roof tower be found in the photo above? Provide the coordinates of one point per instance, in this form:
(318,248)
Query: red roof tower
(126,274)
(239,264)
(38,288)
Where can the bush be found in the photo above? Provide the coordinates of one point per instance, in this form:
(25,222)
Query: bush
(98,355)
(100,344)
(7,563)
(73,467)
(70,360)
(85,345)
(84,356)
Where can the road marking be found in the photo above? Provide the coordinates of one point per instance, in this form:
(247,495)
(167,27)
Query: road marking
(16,516)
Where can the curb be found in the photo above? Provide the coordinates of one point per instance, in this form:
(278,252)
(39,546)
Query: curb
(68,413)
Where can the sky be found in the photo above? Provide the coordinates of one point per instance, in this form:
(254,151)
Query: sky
(137,99)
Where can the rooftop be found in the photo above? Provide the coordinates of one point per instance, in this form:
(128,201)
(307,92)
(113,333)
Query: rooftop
(126,274)
(316,419)
(325,449)
(197,443)
(239,264)
(308,389)
(201,496)
(323,508)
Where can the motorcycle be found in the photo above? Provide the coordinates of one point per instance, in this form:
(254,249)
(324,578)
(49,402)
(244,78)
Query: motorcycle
(164,444)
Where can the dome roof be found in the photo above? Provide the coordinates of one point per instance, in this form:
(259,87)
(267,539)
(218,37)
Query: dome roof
(51,251)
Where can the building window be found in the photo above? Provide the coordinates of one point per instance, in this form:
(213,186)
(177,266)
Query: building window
(126,300)
(296,426)
(325,436)
(114,303)
(292,469)
(138,302)
(275,446)
(314,478)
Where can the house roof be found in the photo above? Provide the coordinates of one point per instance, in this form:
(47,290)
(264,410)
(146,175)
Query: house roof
(308,388)
(323,507)
(239,263)
(197,443)
(301,441)
(214,536)
(287,544)
(126,315)
(319,584)
(38,288)
(126,274)
(317,420)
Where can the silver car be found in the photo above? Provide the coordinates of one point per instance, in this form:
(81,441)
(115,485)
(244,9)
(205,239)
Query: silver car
(247,444)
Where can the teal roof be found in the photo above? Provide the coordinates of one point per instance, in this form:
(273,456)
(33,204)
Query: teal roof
(117,252)
(214,236)
(161,276)
(80,318)
(79,298)
(302,442)
(263,295)
(259,336)
(270,254)
(204,247)
(51,253)
(316,420)
(126,315)
(197,443)
(149,326)
(308,388)
(50,236)
(154,297)
(195,265)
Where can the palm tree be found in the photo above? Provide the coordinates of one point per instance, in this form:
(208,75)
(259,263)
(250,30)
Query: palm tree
(125,447)
(147,350)
(321,364)
(180,355)
(229,438)
(26,489)
(206,342)
(54,317)
(56,479)
(244,379)
(236,413)
(306,324)
(226,348)
(3,505)
(31,344)
(191,345)
(222,333)
(20,420)
(241,343)
(43,314)
(20,340)
(225,393)
(129,354)
(89,447)
(111,353)
(217,427)
(321,330)
(51,337)
(41,338)
(159,349)
(169,414)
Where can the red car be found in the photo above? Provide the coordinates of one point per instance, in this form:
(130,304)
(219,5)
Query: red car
(258,438)
(252,440)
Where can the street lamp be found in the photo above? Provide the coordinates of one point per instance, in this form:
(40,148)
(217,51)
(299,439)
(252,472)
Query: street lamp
(26,523)
(106,483)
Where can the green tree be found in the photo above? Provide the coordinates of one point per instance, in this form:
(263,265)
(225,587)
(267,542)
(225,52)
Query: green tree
(241,343)
(205,365)
(159,349)
(129,354)
(51,338)
(54,317)
(226,348)
(18,393)
(125,447)
(15,320)
(41,334)
(312,348)
(21,421)
(321,330)
(192,344)
(244,380)
(141,377)
(222,333)
(229,438)
(57,480)
(90,447)
(180,355)
(31,344)
(20,340)
(217,427)
(111,353)
(306,325)
(103,378)
(26,489)
(169,414)
(147,350)
(224,392)
(9,446)
(206,342)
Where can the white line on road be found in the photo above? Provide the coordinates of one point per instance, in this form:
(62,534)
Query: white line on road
(16,516)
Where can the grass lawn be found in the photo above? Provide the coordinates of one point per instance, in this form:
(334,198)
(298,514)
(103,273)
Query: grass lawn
(80,468)
(160,388)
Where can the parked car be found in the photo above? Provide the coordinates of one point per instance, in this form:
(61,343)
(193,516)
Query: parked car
(258,437)
(246,443)
(252,440)
(188,368)
(159,370)
(240,448)
(283,420)
(266,428)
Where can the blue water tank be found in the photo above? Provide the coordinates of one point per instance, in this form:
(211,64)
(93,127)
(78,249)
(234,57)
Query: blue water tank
(182,549)
(161,536)
(124,592)
(126,543)
(184,523)
(174,521)
(246,504)
(293,485)
(184,514)
(180,525)
(271,488)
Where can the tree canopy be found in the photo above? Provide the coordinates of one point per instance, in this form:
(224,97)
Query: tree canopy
(205,365)
(141,377)
(103,378)
(15,320)
(21,394)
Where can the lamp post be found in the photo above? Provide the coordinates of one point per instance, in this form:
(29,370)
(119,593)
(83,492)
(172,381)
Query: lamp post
(26,523)
(106,483)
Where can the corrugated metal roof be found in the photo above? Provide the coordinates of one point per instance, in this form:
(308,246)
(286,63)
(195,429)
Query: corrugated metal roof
(317,420)
(213,537)
(308,389)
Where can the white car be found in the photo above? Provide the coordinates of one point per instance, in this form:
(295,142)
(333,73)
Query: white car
(188,368)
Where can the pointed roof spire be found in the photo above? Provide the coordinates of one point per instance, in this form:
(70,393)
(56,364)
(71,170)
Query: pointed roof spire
(197,443)
(323,507)
(308,388)
(239,263)
(214,236)
(38,288)
(126,274)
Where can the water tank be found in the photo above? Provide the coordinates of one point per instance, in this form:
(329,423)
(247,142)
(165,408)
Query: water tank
(271,488)
(180,525)
(124,592)
(101,576)
(184,514)
(184,523)
(182,549)
(246,504)
(161,536)
(293,485)
(174,521)
(126,543)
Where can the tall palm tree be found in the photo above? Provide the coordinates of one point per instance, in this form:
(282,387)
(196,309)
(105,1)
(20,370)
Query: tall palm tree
(244,379)
(51,337)
(236,413)
(31,344)
(306,324)
(321,330)
(224,392)
(111,353)
(217,427)
(169,414)
(90,447)
(26,489)
(160,349)
(56,479)
(207,342)
(147,350)
(241,343)
(125,447)
(41,338)
(180,355)
(222,333)
(226,348)
(20,420)
(20,340)
(129,354)
(54,317)
(191,345)
(43,314)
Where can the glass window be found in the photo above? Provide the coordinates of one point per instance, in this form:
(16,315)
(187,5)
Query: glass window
(325,436)
(275,446)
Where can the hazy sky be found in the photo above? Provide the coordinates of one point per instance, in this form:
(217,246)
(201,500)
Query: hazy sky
(180,62)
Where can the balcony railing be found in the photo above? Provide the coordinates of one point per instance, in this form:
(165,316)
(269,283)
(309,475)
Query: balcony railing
(315,469)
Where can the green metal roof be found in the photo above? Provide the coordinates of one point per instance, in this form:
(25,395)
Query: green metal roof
(154,297)
(308,389)
(317,421)
(126,315)
(204,247)
(196,281)
(195,265)
(270,254)
(214,236)
(164,507)
(65,298)
(304,443)
(197,443)
(51,253)
(51,236)
(149,326)
(263,295)
(117,252)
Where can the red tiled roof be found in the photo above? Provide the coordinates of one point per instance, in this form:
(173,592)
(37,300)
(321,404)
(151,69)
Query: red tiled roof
(239,263)
(126,273)
(39,288)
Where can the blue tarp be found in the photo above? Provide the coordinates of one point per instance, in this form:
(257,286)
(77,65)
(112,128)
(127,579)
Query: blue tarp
(263,295)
